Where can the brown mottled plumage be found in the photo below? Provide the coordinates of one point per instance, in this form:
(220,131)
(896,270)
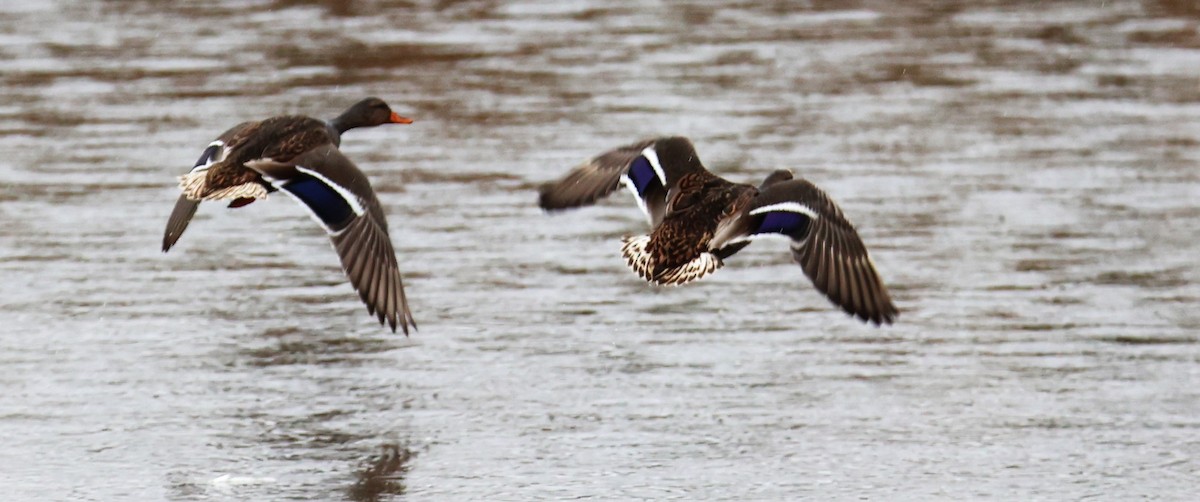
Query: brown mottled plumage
(700,201)
(280,139)
(299,155)
(699,219)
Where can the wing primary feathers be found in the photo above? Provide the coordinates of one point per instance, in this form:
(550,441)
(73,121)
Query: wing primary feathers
(389,293)
(351,249)
(378,276)
(830,252)
(181,215)
(371,264)
(390,297)
(835,276)
(365,257)
(368,279)
(874,300)
(856,287)
(837,260)
(869,310)
(816,248)
(404,306)
(396,298)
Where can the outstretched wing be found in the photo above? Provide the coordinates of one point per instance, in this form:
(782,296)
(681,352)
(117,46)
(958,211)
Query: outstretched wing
(824,243)
(340,198)
(185,207)
(649,169)
(592,180)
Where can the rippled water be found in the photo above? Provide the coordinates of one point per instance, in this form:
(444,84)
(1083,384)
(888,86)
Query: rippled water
(1025,175)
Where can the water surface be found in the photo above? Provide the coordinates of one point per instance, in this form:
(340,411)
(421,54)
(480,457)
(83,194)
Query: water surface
(1025,176)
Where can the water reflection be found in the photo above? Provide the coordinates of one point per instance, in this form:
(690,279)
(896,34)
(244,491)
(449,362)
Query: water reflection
(382,475)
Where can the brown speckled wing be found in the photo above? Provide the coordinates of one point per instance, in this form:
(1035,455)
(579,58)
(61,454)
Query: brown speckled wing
(825,244)
(648,168)
(370,262)
(340,199)
(299,135)
(592,180)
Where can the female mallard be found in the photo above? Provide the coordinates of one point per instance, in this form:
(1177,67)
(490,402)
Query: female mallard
(699,219)
(300,155)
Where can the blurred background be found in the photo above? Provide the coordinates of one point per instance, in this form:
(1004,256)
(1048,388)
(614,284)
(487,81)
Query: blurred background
(1024,174)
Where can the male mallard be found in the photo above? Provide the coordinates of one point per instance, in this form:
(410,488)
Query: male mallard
(699,219)
(300,155)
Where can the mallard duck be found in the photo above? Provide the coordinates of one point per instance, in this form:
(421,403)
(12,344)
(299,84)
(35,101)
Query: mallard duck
(699,219)
(299,155)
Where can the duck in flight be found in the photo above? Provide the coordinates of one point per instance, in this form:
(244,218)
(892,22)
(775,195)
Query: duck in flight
(699,219)
(299,155)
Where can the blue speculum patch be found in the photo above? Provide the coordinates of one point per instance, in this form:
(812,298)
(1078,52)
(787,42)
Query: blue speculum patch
(783,222)
(208,155)
(324,201)
(641,174)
